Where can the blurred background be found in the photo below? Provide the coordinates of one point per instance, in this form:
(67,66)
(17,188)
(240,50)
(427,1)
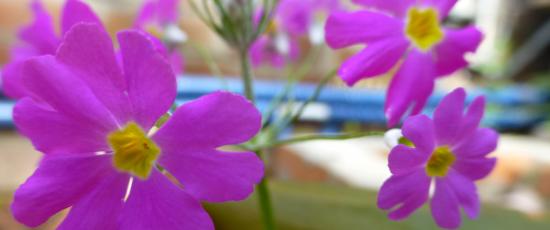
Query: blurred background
(333,184)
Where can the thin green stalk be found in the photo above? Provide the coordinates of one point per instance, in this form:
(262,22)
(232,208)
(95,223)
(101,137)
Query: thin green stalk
(314,137)
(313,97)
(209,60)
(246,71)
(264,199)
(294,78)
(294,116)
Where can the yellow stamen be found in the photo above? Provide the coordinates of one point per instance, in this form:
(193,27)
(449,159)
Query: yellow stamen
(440,162)
(271,27)
(134,152)
(423,28)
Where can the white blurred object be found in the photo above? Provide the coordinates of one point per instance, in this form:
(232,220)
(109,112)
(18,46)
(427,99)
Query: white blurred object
(314,111)
(317,33)
(392,136)
(359,162)
(174,35)
(525,199)
(282,43)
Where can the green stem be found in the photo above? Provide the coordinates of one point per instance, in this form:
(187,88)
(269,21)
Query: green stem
(314,137)
(246,71)
(293,78)
(264,199)
(294,116)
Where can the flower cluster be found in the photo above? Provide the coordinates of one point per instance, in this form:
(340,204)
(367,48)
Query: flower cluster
(449,150)
(292,20)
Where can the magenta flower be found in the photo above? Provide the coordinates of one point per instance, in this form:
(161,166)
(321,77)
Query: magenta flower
(93,119)
(414,33)
(274,50)
(40,38)
(292,19)
(449,150)
(159,18)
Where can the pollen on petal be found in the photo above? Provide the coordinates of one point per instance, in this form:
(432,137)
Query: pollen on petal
(440,162)
(423,28)
(134,152)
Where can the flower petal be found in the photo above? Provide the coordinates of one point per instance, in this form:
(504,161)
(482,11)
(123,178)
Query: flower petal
(41,33)
(156,203)
(213,175)
(451,193)
(472,118)
(450,52)
(89,43)
(475,169)
(420,130)
(295,16)
(211,121)
(66,93)
(177,61)
(12,80)
(411,86)
(396,7)
(75,12)
(445,205)
(403,159)
(266,50)
(376,59)
(448,117)
(345,29)
(409,191)
(54,133)
(466,193)
(100,208)
(482,142)
(150,80)
(58,183)
(158,12)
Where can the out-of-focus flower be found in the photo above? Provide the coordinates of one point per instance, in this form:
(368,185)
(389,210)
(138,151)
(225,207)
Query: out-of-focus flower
(159,18)
(449,150)
(408,29)
(40,38)
(93,119)
(275,51)
(292,20)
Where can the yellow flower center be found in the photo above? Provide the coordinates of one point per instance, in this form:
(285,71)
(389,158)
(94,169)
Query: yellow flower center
(423,28)
(440,162)
(134,152)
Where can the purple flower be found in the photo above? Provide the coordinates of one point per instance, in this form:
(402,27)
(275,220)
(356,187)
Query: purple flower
(411,31)
(275,50)
(159,18)
(93,119)
(39,38)
(292,19)
(449,150)
(158,13)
